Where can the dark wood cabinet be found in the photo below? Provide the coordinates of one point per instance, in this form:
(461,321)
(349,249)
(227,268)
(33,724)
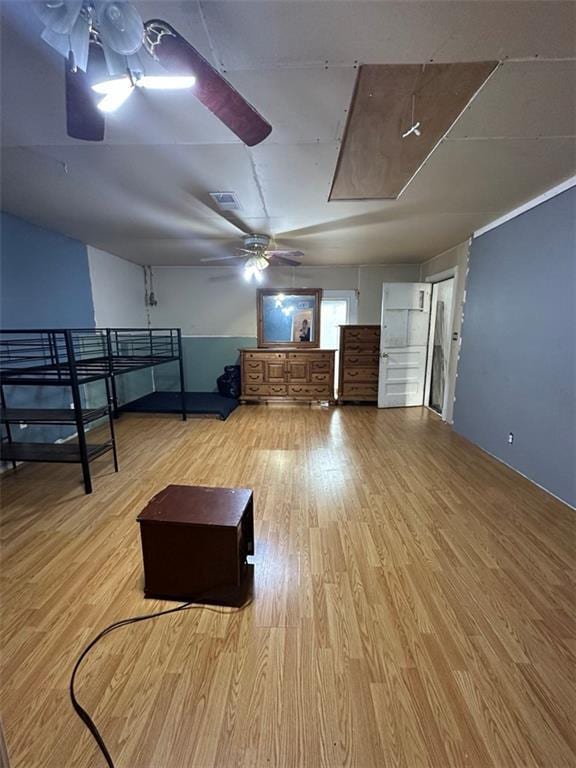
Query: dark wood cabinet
(359,363)
(304,374)
(195,541)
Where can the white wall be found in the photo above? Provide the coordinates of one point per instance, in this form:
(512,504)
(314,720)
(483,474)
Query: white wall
(216,301)
(118,294)
(454,257)
(117,291)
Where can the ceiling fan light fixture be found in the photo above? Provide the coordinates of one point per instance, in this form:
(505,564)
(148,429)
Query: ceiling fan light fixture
(116,90)
(254,267)
(116,96)
(166,82)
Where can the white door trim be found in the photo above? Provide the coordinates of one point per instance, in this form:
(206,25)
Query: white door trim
(439,277)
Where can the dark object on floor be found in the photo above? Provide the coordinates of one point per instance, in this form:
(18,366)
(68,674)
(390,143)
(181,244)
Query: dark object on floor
(199,403)
(195,540)
(229,382)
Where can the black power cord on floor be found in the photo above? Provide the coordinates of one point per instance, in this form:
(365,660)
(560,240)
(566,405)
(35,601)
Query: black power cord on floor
(78,708)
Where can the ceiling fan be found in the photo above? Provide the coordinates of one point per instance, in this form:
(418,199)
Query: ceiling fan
(257,254)
(107,48)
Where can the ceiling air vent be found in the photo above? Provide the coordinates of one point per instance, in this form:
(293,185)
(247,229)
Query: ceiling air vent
(226,201)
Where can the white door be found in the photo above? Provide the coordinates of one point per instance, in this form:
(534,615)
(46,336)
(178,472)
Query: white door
(403,344)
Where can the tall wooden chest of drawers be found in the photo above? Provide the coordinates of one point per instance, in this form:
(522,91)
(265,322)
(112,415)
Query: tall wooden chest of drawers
(359,363)
(287,374)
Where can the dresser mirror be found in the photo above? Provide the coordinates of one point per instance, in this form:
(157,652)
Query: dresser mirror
(289,318)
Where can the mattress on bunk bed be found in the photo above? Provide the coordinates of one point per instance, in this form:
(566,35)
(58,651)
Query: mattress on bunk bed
(197,403)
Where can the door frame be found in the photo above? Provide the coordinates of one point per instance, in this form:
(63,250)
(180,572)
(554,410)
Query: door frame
(440,277)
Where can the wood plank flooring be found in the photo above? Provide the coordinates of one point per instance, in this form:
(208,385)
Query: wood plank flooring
(413,603)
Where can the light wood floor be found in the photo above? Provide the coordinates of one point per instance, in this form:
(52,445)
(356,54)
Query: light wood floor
(413,603)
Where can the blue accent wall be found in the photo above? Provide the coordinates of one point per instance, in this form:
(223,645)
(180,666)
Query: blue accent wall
(44,278)
(517,365)
(44,283)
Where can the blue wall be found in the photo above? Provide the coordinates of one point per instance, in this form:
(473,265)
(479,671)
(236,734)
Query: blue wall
(517,365)
(44,283)
(44,278)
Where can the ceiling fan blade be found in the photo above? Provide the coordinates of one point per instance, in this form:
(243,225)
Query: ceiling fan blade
(219,258)
(83,118)
(285,257)
(281,260)
(285,253)
(177,56)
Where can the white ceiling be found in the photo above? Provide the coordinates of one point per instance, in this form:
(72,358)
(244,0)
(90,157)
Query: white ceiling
(143,193)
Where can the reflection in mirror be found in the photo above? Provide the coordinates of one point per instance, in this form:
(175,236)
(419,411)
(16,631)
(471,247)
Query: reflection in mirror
(289,318)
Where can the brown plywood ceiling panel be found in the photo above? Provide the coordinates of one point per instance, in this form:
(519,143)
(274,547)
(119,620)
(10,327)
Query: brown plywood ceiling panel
(375,161)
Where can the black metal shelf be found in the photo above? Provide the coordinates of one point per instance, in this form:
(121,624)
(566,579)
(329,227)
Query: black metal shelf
(77,356)
(67,453)
(73,357)
(50,416)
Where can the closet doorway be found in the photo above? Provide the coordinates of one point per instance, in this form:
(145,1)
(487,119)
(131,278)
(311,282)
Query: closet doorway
(439,346)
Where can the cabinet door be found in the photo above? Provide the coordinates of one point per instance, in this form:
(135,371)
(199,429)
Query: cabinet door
(298,371)
(275,371)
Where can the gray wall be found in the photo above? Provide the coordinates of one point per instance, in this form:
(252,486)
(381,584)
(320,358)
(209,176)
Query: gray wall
(517,362)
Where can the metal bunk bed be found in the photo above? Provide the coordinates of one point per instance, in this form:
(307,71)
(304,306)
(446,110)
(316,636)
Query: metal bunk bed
(74,358)
(134,349)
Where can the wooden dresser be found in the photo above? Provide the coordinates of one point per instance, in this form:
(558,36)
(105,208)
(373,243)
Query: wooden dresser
(359,362)
(287,374)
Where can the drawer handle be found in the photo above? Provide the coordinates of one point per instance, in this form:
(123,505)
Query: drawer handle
(352,373)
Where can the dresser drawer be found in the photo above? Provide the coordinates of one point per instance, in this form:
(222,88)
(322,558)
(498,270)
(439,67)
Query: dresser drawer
(354,360)
(359,390)
(254,366)
(310,391)
(277,390)
(362,347)
(353,375)
(264,390)
(318,378)
(254,378)
(361,334)
(320,366)
(257,355)
(255,389)
(312,355)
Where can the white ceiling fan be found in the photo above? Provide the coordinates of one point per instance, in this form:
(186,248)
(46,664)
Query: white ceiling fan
(258,253)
